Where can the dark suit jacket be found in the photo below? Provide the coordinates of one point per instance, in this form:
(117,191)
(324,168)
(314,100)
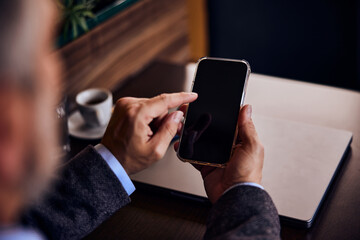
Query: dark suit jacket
(87,192)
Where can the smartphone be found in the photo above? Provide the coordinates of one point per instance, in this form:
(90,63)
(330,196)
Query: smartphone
(210,124)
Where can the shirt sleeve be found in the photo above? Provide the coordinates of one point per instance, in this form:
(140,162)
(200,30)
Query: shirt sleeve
(116,167)
(244,184)
(19,233)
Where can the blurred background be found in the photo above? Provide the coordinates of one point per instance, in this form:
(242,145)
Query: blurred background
(315,41)
(109,42)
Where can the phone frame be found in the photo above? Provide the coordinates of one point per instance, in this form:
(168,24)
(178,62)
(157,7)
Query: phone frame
(221,165)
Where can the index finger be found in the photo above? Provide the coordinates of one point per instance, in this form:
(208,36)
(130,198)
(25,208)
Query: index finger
(159,104)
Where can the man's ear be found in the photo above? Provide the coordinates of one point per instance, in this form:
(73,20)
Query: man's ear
(14,139)
(12,164)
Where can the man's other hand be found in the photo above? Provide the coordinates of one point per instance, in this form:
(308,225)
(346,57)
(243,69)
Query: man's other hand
(140,130)
(245,164)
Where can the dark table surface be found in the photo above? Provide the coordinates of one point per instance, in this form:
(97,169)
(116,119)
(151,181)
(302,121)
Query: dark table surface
(153,214)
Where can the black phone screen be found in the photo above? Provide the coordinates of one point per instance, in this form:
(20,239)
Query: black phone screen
(210,124)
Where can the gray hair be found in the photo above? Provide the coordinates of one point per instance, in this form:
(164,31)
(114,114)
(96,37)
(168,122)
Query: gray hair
(18,28)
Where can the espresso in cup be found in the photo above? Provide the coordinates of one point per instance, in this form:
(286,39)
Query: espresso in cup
(95,106)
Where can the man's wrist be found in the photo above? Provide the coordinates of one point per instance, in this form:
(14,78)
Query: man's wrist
(116,168)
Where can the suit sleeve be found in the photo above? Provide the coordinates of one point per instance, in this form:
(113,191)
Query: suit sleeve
(87,192)
(244,212)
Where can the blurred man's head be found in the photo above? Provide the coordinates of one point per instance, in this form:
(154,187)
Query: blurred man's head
(28,94)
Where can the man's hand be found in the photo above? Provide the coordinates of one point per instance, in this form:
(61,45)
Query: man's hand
(140,130)
(245,164)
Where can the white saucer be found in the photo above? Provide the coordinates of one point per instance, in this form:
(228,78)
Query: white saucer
(78,128)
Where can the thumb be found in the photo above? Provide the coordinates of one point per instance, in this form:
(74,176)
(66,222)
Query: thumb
(167,131)
(246,129)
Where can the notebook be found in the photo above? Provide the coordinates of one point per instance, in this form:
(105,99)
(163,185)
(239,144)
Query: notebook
(301,161)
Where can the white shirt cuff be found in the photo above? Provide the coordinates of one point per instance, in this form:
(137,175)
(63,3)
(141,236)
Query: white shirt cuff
(244,184)
(116,167)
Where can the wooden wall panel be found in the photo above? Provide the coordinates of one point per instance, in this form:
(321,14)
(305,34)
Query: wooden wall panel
(198,28)
(125,44)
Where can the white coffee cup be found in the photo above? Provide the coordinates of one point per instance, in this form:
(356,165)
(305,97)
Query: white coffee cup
(95,106)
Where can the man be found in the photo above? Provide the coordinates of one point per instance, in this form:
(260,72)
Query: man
(93,185)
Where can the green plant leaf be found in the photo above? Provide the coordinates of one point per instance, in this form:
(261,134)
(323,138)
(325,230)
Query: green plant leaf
(83,24)
(89,14)
(75,13)
(79,7)
(74,28)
